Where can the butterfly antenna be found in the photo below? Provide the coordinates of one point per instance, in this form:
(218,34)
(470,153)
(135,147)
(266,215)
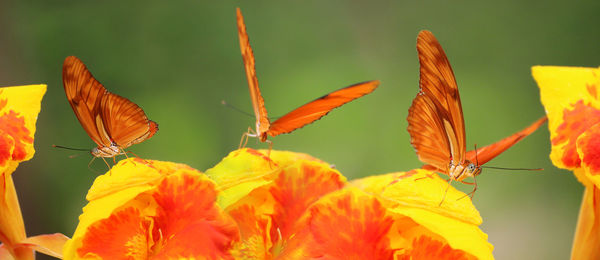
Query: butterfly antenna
(513,169)
(69,148)
(223,102)
(476,159)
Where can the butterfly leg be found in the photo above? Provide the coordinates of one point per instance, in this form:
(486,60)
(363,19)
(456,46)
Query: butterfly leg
(269,153)
(106,163)
(125,153)
(472,193)
(136,156)
(90,166)
(445,192)
(245,136)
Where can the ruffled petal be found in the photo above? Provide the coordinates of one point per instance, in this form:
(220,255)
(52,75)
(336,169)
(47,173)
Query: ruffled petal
(347,224)
(152,209)
(588,149)
(19,107)
(188,223)
(570,97)
(267,213)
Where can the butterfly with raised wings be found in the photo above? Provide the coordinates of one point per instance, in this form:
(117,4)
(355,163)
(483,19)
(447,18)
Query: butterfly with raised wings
(113,122)
(300,116)
(435,119)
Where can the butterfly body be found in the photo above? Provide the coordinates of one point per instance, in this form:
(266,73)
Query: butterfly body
(113,122)
(298,117)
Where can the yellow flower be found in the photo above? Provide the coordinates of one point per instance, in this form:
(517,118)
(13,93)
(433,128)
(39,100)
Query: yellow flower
(292,206)
(145,209)
(19,107)
(570,96)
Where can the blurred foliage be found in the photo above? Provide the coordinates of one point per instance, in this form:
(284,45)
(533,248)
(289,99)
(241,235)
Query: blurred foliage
(178,60)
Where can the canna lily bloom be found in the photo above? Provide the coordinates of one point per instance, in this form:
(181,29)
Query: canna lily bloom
(292,206)
(570,97)
(19,107)
(143,209)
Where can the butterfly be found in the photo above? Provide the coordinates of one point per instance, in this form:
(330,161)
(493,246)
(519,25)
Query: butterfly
(435,119)
(112,121)
(300,116)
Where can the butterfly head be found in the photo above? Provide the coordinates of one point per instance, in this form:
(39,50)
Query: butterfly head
(106,151)
(473,170)
(463,170)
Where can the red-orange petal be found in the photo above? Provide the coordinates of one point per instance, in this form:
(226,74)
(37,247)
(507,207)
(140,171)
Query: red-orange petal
(349,226)
(589,149)
(188,222)
(425,247)
(124,235)
(576,120)
(296,188)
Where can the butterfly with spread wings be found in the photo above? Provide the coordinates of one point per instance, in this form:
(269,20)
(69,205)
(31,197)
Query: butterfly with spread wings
(435,119)
(299,117)
(112,121)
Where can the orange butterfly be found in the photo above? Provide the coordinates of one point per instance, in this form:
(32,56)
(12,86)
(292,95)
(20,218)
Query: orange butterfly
(299,117)
(435,119)
(112,121)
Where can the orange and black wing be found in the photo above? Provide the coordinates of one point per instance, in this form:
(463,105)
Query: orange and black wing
(436,123)
(318,108)
(85,95)
(262,119)
(487,153)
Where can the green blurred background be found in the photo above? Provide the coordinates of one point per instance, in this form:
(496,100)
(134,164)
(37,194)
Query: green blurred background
(179,59)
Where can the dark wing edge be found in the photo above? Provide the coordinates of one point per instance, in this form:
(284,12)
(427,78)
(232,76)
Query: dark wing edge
(316,109)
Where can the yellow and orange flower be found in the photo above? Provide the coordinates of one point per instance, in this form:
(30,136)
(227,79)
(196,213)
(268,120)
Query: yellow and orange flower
(570,96)
(19,107)
(152,210)
(292,206)
(288,206)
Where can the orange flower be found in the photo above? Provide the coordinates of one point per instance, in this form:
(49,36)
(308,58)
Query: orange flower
(19,107)
(570,96)
(152,210)
(292,206)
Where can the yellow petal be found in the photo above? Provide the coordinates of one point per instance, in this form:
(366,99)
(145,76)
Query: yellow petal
(417,194)
(118,188)
(421,188)
(587,233)
(19,107)
(570,97)
(245,169)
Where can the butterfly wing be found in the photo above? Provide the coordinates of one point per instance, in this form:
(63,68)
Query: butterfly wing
(486,153)
(105,116)
(262,119)
(319,107)
(436,123)
(125,122)
(85,94)
(427,133)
